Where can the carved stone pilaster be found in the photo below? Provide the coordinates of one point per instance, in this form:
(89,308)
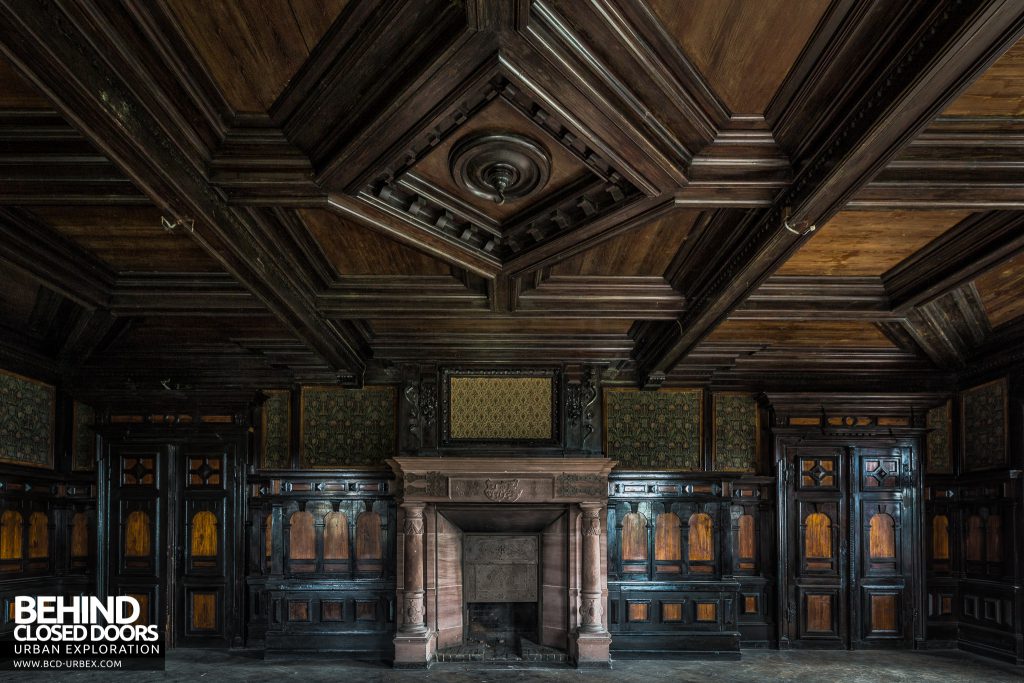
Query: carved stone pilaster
(413,608)
(590,584)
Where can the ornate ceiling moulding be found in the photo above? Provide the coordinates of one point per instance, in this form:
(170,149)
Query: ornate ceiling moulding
(500,166)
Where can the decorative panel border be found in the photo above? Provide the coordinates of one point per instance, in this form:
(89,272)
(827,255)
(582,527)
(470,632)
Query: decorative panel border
(984,411)
(27,416)
(654,430)
(504,413)
(347,427)
(939,440)
(276,430)
(83,437)
(736,432)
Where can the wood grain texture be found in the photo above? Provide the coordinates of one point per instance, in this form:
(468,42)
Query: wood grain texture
(883,613)
(38,535)
(138,540)
(355,250)
(802,333)
(335,536)
(253,48)
(882,537)
(868,242)
(671,611)
(204,611)
(994,538)
(999,91)
(204,534)
(639,611)
(634,538)
(975,545)
(747,535)
(646,250)
(700,542)
(301,537)
(1002,291)
(706,611)
(80,535)
(129,239)
(744,48)
(667,538)
(11,536)
(368,544)
(819,613)
(818,536)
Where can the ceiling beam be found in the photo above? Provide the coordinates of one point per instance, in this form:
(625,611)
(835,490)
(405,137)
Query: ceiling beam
(931,53)
(62,50)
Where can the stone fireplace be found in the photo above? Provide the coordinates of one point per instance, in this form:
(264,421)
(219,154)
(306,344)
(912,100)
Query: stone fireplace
(507,552)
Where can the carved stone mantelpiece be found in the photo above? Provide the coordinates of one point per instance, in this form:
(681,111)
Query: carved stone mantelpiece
(513,489)
(505,480)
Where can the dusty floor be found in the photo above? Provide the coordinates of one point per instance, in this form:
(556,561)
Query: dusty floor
(757,666)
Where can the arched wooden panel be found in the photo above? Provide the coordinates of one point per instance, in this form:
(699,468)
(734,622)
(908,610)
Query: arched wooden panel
(38,535)
(701,543)
(994,539)
(882,537)
(667,542)
(818,536)
(137,535)
(204,534)
(975,538)
(747,534)
(80,535)
(940,537)
(301,537)
(634,538)
(10,535)
(335,536)
(368,546)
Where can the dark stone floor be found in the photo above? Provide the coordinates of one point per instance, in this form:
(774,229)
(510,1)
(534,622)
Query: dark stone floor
(757,666)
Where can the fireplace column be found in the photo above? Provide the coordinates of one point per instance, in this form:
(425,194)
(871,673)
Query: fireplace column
(414,643)
(592,639)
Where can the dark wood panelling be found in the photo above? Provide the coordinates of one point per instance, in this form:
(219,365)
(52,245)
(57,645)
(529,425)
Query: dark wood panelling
(998,91)
(253,50)
(17,93)
(1002,291)
(802,334)
(646,250)
(128,239)
(868,242)
(744,50)
(355,250)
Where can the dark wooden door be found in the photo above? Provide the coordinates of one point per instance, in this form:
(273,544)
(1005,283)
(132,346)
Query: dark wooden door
(204,554)
(816,547)
(137,527)
(883,502)
(847,543)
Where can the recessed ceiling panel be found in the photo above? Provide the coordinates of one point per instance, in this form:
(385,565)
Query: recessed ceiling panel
(252,49)
(129,239)
(862,243)
(16,92)
(744,49)
(999,91)
(1002,290)
(829,334)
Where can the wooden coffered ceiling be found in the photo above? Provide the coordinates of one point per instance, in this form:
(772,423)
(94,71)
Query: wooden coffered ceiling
(197,200)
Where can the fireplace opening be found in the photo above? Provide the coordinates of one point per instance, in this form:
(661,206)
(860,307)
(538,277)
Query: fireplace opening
(502,623)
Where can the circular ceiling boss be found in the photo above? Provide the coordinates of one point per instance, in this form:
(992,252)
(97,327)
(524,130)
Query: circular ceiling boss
(499,166)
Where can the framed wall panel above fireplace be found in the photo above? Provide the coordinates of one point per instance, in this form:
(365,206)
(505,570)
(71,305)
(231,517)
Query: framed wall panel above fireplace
(501,407)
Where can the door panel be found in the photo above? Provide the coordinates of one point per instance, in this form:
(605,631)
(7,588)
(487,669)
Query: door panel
(849,566)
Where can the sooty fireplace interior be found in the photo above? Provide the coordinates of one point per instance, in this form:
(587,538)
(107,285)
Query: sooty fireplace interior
(501,588)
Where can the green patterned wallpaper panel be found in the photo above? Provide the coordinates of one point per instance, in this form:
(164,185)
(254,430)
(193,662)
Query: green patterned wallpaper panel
(984,426)
(26,421)
(654,430)
(347,427)
(275,442)
(736,431)
(84,438)
(939,448)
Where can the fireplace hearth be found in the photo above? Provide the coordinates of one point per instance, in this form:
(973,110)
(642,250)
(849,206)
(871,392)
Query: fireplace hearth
(504,560)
